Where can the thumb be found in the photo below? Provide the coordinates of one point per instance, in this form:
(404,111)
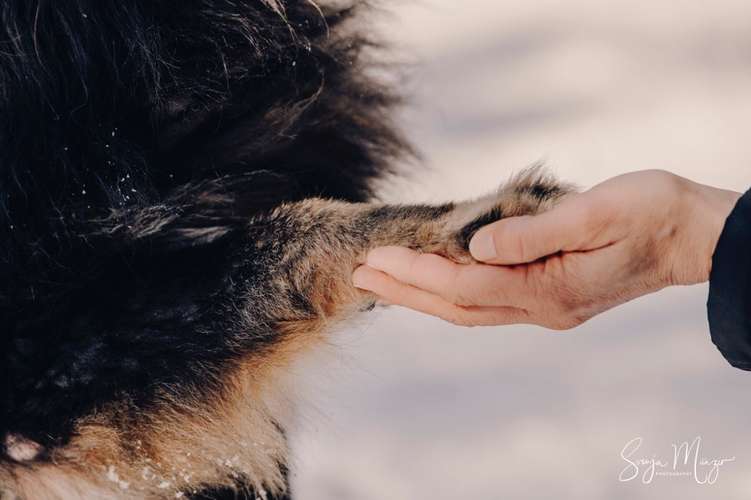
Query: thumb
(526,238)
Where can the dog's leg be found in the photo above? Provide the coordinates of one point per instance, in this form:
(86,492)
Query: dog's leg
(310,248)
(291,281)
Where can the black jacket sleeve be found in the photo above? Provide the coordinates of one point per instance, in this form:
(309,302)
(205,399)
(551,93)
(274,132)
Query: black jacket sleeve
(729,303)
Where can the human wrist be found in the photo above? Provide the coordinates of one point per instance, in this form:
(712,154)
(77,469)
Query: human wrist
(706,210)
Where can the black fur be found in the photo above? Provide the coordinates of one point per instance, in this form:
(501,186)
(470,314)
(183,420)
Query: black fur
(136,138)
(468,231)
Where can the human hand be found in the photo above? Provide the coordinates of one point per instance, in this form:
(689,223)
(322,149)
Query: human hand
(629,236)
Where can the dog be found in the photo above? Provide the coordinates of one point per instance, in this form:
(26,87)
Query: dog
(185,189)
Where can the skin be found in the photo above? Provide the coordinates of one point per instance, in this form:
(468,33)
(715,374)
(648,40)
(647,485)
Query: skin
(629,236)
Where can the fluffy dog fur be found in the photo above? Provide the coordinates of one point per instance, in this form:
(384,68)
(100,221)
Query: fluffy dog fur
(182,203)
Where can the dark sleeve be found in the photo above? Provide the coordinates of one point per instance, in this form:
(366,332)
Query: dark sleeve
(729,303)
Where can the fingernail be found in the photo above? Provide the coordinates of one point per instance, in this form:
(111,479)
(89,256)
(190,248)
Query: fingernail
(482,246)
(359,277)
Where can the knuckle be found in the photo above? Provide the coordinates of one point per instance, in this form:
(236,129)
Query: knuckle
(661,177)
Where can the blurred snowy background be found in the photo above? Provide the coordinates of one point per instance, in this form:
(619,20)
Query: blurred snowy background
(410,408)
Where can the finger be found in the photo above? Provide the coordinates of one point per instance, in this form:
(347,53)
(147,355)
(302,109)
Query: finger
(526,238)
(460,284)
(408,296)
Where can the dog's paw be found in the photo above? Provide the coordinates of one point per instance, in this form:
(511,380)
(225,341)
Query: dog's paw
(528,193)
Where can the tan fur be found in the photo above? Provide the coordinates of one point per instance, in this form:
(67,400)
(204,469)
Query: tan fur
(186,443)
